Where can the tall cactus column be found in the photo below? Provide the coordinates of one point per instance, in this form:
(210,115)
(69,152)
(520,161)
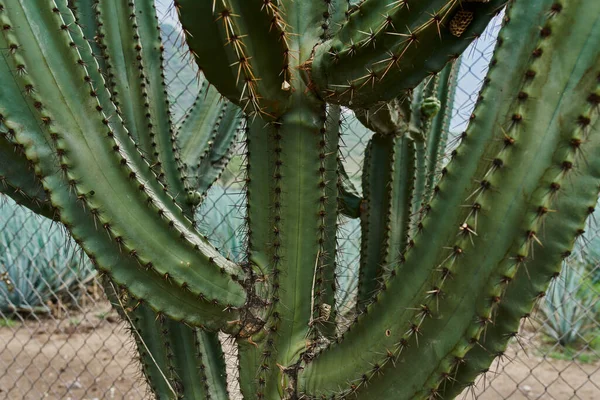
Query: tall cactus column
(288,166)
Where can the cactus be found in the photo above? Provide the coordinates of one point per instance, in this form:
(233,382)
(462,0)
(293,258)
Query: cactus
(453,255)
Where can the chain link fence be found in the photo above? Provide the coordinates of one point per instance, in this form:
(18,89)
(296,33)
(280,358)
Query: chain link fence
(60,338)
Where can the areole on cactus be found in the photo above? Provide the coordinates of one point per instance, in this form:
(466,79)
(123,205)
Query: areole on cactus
(454,253)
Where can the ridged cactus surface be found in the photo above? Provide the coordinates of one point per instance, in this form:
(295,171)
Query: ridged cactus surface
(458,242)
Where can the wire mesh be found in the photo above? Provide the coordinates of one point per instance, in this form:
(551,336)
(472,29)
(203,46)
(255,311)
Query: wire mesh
(60,338)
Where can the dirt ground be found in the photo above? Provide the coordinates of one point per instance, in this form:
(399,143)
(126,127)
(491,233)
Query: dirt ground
(89,357)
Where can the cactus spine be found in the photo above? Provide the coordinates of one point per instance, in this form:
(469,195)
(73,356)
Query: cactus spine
(453,255)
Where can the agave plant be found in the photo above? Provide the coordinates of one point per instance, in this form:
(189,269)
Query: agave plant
(441,286)
(569,309)
(37,263)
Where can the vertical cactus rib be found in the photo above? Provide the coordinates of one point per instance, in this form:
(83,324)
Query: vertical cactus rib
(440,126)
(199,124)
(206,138)
(325,310)
(388,179)
(256,354)
(90,175)
(84,12)
(299,143)
(121,56)
(241,46)
(547,67)
(389,47)
(216,156)
(156,105)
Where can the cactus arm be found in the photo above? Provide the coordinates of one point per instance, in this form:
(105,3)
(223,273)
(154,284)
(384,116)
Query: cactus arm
(200,123)
(383,50)
(241,47)
(18,181)
(212,357)
(440,126)
(206,138)
(349,198)
(325,310)
(388,174)
(216,157)
(178,361)
(159,121)
(540,265)
(417,130)
(532,126)
(512,311)
(145,329)
(143,102)
(576,202)
(92,174)
(195,361)
(121,61)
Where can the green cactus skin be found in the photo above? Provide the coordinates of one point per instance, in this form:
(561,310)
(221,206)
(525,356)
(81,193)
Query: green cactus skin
(24,188)
(510,114)
(388,179)
(142,103)
(219,150)
(62,124)
(576,200)
(242,52)
(178,361)
(437,136)
(379,52)
(452,256)
(324,309)
(301,154)
(206,140)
